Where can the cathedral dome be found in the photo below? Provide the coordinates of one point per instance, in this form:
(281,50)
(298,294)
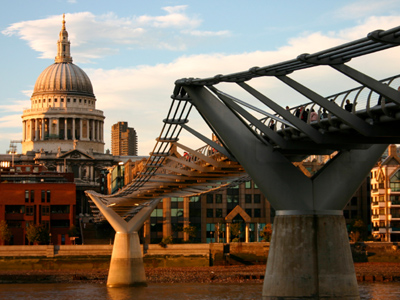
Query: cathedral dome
(63,77)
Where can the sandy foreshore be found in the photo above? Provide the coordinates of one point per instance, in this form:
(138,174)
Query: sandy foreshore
(369,271)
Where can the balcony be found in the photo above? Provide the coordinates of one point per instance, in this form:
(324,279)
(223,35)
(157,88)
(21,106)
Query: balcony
(378,217)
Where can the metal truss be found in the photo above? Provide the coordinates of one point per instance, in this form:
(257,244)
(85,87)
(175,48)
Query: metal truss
(373,119)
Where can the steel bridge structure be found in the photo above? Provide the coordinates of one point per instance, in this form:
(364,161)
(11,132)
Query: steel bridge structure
(310,255)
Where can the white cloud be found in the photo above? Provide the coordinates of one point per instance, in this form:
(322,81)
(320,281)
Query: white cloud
(94,36)
(363,8)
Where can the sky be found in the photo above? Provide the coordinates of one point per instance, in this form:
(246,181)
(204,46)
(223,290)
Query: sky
(134,51)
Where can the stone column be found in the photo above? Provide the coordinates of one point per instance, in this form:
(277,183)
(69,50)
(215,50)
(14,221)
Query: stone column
(80,129)
(101,132)
(65,129)
(73,128)
(87,130)
(97,131)
(23,131)
(93,131)
(36,129)
(58,128)
(43,129)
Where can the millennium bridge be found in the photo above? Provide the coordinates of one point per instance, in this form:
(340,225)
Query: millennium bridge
(310,255)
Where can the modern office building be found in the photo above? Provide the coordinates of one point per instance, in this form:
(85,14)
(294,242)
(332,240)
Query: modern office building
(385,196)
(30,195)
(123,140)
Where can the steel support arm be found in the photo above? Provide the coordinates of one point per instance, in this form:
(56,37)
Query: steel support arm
(375,85)
(348,118)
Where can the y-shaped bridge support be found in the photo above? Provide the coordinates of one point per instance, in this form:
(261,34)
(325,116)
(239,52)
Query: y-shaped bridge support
(310,255)
(126,266)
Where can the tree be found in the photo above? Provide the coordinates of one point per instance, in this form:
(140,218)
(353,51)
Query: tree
(358,231)
(73,231)
(191,231)
(235,231)
(37,234)
(266,233)
(5,232)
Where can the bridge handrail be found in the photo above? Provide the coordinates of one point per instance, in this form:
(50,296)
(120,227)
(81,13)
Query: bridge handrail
(360,97)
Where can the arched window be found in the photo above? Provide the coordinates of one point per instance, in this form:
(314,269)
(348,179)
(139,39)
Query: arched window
(395,182)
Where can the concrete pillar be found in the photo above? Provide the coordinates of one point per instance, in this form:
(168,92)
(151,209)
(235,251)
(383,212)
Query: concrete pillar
(228,233)
(126,266)
(247,233)
(167,230)
(316,249)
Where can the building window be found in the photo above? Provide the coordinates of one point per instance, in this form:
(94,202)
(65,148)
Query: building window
(48,197)
(210,213)
(60,209)
(255,186)
(32,196)
(15,209)
(247,198)
(68,100)
(257,213)
(45,210)
(85,101)
(395,182)
(218,198)
(218,213)
(248,185)
(210,198)
(62,99)
(257,198)
(74,100)
(29,210)
(26,196)
(43,196)
(80,100)
(248,211)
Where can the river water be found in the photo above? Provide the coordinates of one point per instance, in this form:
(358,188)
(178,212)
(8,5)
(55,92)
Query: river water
(373,291)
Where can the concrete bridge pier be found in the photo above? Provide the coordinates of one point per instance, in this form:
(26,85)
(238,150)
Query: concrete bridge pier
(310,258)
(310,255)
(126,265)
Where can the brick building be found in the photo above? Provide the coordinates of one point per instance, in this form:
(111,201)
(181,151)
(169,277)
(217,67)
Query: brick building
(32,195)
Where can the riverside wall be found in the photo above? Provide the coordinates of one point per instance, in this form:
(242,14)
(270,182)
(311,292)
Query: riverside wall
(174,255)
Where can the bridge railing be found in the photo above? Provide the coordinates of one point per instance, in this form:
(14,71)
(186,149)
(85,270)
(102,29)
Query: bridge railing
(363,100)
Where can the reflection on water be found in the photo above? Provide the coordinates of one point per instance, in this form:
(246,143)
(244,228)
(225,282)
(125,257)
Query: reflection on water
(368,291)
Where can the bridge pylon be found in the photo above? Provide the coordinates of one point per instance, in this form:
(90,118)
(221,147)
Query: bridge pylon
(310,254)
(126,266)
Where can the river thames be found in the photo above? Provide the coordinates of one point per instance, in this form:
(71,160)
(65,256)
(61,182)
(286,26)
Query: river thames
(68,291)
